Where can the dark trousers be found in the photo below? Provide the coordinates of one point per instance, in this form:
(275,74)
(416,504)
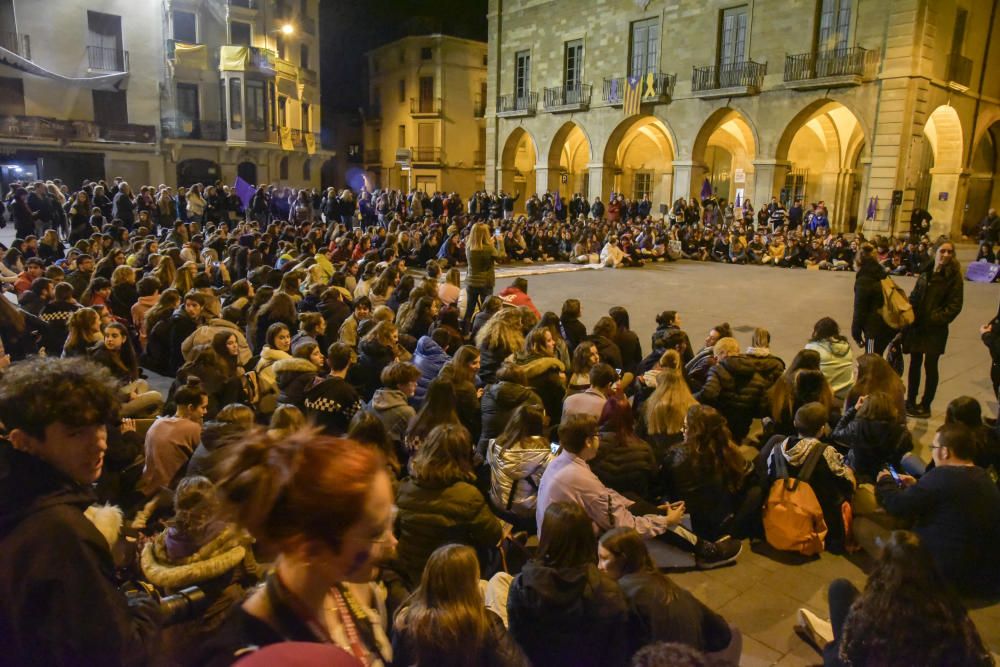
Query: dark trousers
(930,364)
(476,300)
(841,596)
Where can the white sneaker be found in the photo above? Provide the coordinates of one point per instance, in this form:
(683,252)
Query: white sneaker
(816,629)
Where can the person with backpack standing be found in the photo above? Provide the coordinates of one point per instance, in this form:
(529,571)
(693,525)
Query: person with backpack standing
(937,301)
(868,328)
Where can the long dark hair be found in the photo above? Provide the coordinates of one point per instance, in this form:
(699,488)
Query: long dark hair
(709,444)
(567,537)
(438,408)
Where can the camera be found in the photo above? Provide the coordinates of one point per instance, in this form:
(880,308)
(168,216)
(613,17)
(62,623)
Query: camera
(184,605)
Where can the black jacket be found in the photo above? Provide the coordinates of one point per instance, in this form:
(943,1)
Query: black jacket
(631,350)
(874,444)
(498,403)
(498,650)
(628,468)
(572,617)
(573,332)
(332,404)
(866,322)
(58,602)
(736,386)
(366,374)
(937,300)
(181,326)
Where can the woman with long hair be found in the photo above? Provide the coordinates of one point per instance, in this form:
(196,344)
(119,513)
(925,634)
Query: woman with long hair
(624,462)
(115,352)
(377,349)
(664,412)
(561,609)
(445,623)
(867,325)
(835,357)
(937,301)
(480,279)
(872,430)
(369,430)
(222,385)
(462,371)
(165,272)
(543,371)
(499,338)
(906,615)
(517,458)
(573,330)
(439,504)
(227,346)
(84,332)
(279,309)
(296,375)
(124,294)
(550,321)
(20,331)
(97,292)
(780,398)
(438,408)
(874,374)
(323,506)
(584,357)
(662,611)
(713,478)
(418,321)
(277,346)
(184,280)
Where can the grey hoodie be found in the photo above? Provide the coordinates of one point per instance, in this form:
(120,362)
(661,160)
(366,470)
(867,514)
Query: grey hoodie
(392,408)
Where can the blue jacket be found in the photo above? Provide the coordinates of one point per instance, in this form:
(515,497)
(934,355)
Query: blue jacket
(429,357)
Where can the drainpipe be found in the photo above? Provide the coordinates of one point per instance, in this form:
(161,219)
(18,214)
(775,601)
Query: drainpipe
(982,78)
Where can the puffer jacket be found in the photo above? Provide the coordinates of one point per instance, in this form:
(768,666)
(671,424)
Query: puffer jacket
(490,360)
(294,376)
(204,334)
(395,413)
(429,358)
(498,404)
(874,444)
(544,376)
(515,473)
(366,375)
(735,387)
(268,379)
(866,321)
(937,300)
(837,363)
(431,516)
(627,467)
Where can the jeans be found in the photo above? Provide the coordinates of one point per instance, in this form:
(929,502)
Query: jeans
(841,596)
(475,300)
(930,364)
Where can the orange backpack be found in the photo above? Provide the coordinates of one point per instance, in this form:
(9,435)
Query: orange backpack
(793,518)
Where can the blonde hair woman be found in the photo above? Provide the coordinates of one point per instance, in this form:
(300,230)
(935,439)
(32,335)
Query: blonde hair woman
(499,338)
(666,408)
(480,278)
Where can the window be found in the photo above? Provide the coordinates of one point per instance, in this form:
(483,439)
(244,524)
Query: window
(110,107)
(402,90)
(306,124)
(401,136)
(307,170)
(354,150)
(834,24)
(733,44)
(304,56)
(188,111)
(645,47)
(283,169)
(11,96)
(522,74)
(795,186)
(235,104)
(282,111)
(426,53)
(958,34)
(256,105)
(279,45)
(240,33)
(185,27)
(642,184)
(105,48)
(426,94)
(573,64)
(272,101)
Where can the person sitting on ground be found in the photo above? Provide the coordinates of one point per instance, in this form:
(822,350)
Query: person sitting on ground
(116,354)
(784,397)
(835,357)
(569,478)
(603,336)
(624,461)
(348,332)
(183,323)
(431,354)
(696,370)
(906,615)
(955,510)
(871,429)
(736,385)
(333,402)
(517,295)
(391,402)
(517,460)
(592,400)
(832,481)
(170,441)
(296,375)
(659,609)
(573,330)
(217,436)
(499,401)
(544,373)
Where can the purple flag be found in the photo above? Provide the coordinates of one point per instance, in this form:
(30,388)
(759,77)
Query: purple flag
(558,203)
(706,189)
(872,208)
(738,199)
(244,191)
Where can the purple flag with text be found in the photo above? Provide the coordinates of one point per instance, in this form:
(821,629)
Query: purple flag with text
(244,191)
(633,96)
(872,208)
(706,189)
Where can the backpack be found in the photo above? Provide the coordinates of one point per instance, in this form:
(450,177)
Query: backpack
(793,518)
(896,310)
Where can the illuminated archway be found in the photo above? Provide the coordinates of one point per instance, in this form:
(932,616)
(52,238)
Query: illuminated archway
(983,194)
(569,155)
(638,159)
(939,188)
(517,164)
(725,149)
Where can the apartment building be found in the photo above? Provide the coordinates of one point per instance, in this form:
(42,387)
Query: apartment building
(875,108)
(425,121)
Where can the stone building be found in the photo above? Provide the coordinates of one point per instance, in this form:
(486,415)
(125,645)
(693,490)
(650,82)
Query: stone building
(171,91)
(425,122)
(841,101)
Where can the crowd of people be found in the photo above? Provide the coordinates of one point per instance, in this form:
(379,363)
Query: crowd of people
(367,454)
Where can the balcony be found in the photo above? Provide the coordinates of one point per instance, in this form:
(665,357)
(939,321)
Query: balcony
(826,69)
(426,155)
(246,58)
(106,59)
(298,139)
(479,158)
(193,128)
(959,72)
(513,106)
(657,88)
(425,107)
(730,80)
(479,107)
(308,76)
(568,98)
(16,43)
(373,156)
(39,127)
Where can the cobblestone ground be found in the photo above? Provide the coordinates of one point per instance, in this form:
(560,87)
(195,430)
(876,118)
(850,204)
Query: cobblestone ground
(761,593)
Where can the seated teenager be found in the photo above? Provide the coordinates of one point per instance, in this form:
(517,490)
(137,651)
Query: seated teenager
(517,459)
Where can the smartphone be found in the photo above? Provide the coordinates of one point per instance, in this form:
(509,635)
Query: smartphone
(555,447)
(895,476)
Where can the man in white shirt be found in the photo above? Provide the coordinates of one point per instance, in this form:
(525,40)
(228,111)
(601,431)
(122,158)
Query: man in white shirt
(568,478)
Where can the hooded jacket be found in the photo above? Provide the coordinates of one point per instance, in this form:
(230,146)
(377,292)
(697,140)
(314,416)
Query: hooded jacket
(392,408)
(429,358)
(295,376)
(366,375)
(515,474)
(837,363)
(572,617)
(736,386)
(498,403)
(204,334)
(627,467)
(543,375)
(58,601)
(874,444)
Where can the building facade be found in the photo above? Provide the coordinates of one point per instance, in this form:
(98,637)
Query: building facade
(874,108)
(425,121)
(175,92)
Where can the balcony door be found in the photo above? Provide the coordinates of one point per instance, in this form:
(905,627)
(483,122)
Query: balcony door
(733,40)
(522,74)
(426,94)
(573,64)
(188,109)
(105,47)
(425,141)
(645,47)
(834,25)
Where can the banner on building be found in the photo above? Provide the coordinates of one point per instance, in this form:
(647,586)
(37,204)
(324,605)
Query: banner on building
(633,95)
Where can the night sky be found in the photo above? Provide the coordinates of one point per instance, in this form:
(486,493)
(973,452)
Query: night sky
(349,28)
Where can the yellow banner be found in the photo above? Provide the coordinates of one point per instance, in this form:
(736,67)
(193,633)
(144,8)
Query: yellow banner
(191,55)
(310,141)
(233,58)
(285,133)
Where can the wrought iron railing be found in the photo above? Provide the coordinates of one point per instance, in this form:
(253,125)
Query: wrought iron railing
(107,59)
(425,105)
(565,96)
(821,64)
(178,127)
(426,154)
(746,73)
(662,88)
(526,103)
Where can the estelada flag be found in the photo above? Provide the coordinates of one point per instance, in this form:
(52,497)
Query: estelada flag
(633,96)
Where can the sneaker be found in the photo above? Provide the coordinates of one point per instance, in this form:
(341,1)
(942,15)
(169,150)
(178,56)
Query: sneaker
(813,629)
(716,554)
(917,411)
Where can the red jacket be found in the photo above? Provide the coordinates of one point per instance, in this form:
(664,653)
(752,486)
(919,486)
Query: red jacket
(511,296)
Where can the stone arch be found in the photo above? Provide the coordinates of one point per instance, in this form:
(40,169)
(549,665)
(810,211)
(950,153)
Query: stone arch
(724,152)
(247,171)
(984,167)
(197,170)
(517,163)
(638,158)
(569,156)
(944,139)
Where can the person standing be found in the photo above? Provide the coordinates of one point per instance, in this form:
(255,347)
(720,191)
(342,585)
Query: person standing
(937,301)
(920,223)
(867,325)
(479,276)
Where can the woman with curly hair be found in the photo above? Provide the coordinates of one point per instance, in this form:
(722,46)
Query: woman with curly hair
(499,338)
(906,615)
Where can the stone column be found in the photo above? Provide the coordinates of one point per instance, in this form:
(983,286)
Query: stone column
(595,186)
(769,178)
(947,213)
(541,179)
(688,177)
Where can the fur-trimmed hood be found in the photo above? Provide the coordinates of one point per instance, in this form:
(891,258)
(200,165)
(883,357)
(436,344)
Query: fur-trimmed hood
(216,557)
(295,365)
(534,365)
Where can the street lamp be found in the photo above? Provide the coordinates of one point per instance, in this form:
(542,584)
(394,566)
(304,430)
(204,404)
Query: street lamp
(287,29)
